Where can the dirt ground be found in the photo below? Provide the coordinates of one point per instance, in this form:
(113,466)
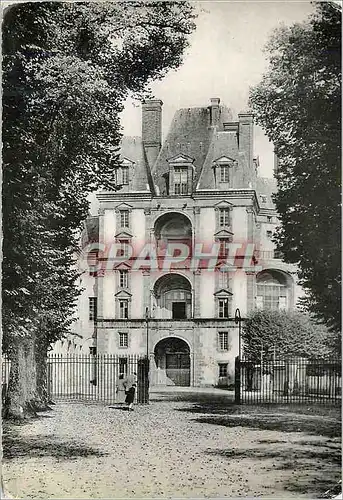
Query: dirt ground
(183,445)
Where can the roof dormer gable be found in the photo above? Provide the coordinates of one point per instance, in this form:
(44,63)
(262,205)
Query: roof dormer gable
(126,162)
(180,159)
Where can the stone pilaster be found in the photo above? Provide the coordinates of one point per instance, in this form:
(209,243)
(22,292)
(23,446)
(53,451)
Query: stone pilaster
(250,224)
(251,290)
(197,291)
(146,303)
(99,282)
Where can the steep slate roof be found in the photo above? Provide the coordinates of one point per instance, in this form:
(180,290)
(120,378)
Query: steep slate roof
(132,148)
(90,233)
(266,186)
(222,144)
(190,133)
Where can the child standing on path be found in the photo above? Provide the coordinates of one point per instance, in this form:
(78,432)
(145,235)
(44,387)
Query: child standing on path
(130,396)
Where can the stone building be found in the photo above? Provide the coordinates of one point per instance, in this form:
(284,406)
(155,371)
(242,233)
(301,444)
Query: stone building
(184,242)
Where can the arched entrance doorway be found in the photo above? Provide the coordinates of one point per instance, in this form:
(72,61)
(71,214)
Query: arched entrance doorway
(172,296)
(173,362)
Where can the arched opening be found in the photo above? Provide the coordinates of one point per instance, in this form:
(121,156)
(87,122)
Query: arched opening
(173,228)
(172,295)
(273,290)
(172,359)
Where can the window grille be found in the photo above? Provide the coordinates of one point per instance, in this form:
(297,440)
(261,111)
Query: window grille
(123,279)
(222,369)
(224,217)
(223,341)
(123,309)
(223,308)
(180,180)
(124,218)
(123,339)
(224,173)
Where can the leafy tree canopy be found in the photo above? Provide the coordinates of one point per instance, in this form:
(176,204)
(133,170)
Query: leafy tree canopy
(285,334)
(298,104)
(67,69)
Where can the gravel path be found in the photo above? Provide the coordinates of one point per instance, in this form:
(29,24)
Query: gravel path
(175,447)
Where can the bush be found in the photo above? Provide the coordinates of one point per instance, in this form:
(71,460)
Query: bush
(286,334)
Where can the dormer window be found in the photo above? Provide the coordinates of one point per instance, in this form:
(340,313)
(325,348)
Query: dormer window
(180,180)
(224,173)
(180,174)
(124,172)
(221,171)
(124,175)
(263,199)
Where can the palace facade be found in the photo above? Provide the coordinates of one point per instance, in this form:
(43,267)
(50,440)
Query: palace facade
(184,242)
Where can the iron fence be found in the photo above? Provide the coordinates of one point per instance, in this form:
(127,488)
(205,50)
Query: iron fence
(95,377)
(291,380)
(87,377)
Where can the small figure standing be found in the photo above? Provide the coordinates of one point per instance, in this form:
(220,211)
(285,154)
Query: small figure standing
(130,396)
(130,380)
(121,389)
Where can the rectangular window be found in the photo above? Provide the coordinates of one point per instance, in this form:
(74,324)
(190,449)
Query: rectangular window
(222,369)
(224,173)
(92,308)
(123,309)
(124,248)
(124,218)
(180,180)
(223,341)
(272,296)
(125,175)
(224,217)
(123,279)
(223,279)
(122,365)
(123,339)
(223,308)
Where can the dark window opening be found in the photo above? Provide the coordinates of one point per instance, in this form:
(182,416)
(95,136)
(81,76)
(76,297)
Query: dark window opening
(179,310)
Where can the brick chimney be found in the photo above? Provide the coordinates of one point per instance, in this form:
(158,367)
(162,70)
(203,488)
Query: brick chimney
(246,136)
(214,111)
(152,129)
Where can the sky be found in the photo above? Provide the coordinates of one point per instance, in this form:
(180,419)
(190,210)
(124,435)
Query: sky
(224,59)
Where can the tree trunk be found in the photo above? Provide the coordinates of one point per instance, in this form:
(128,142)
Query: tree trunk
(41,354)
(21,393)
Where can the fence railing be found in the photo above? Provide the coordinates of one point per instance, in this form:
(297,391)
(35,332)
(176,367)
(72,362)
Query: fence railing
(292,380)
(86,377)
(95,377)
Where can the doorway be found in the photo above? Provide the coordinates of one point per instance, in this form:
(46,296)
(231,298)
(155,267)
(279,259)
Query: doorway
(179,310)
(173,364)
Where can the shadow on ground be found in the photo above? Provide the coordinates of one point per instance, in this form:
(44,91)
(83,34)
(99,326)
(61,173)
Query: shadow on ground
(287,458)
(221,410)
(16,446)
(277,423)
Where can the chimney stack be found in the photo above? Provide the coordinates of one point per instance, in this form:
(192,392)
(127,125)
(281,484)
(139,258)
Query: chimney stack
(152,129)
(246,136)
(214,111)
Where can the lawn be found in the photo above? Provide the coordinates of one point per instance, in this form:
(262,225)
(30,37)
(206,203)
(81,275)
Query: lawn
(181,445)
